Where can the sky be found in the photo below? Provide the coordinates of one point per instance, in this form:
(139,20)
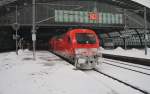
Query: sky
(143,2)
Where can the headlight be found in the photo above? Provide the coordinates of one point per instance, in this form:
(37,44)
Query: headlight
(86,51)
(81,60)
(77,51)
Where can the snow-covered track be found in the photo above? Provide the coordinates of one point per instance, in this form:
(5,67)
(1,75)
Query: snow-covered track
(127,68)
(123,82)
(140,61)
(120,62)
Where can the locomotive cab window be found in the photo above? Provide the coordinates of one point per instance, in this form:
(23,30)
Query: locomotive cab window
(85,38)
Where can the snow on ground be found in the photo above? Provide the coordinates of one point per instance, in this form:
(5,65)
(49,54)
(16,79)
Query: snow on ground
(130,53)
(139,80)
(116,87)
(141,68)
(47,75)
(50,74)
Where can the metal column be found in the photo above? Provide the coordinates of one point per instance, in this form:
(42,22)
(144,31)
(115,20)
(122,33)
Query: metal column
(33,29)
(145,30)
(16,29)
(125,28)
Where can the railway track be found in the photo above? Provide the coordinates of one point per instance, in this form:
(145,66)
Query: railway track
(127,68)
(123,82)
(140,61)
(119,62)
(120,81)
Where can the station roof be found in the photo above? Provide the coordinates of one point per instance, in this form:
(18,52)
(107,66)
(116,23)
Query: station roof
(133,4)
(126,4)
(143,2)
(4,2)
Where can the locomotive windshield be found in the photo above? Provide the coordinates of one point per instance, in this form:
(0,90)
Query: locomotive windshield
(85,38)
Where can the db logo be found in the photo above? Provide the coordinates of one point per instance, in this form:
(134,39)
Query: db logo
(93,16)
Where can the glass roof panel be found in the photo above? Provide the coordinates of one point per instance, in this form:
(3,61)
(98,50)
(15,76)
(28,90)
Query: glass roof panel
(143,2)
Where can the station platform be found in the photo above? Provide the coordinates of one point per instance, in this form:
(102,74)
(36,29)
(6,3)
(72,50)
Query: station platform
(48,74)
(136,53)
(136,56)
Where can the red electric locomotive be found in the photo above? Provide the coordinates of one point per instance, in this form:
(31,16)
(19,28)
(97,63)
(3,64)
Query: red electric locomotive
(80,46)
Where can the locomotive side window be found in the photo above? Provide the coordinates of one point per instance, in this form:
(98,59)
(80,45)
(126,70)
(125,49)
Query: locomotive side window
(85,38)
(69,40)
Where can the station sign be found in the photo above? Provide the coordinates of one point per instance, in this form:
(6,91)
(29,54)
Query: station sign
(105,18)
(16,36)
(33,37)
(16,26)
(93,16)
(146,37)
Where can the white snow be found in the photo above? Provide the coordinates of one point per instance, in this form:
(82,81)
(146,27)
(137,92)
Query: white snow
(129,53)
(116,87)
(143,2)
(50,74)
(47,75)
(139,80)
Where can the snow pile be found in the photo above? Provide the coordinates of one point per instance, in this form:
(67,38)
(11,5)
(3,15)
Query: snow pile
(119,49)
(20,51)
(26,50)
(101,48)
(131,52)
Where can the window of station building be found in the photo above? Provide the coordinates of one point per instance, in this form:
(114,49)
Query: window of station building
(71,16)
(140,31)
(114,34)
(121,18)
(100,18)
(104,18)
(86,18)
(81,16)
(113,18)
(76,16)
(109,18)
(61,15)
(132,41)
(137,40)
(116,18)
(66,16)
(120,41)
(56,16)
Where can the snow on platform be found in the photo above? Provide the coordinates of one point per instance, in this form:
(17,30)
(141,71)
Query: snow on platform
(47,75)
(129,53)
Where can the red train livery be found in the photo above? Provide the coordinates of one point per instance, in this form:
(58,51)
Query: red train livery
(80,46)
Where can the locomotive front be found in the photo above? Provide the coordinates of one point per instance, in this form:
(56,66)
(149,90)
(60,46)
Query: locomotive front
(86,49)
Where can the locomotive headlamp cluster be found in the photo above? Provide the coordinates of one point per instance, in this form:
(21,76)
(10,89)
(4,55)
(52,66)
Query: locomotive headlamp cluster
(86,52)
(81,60)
